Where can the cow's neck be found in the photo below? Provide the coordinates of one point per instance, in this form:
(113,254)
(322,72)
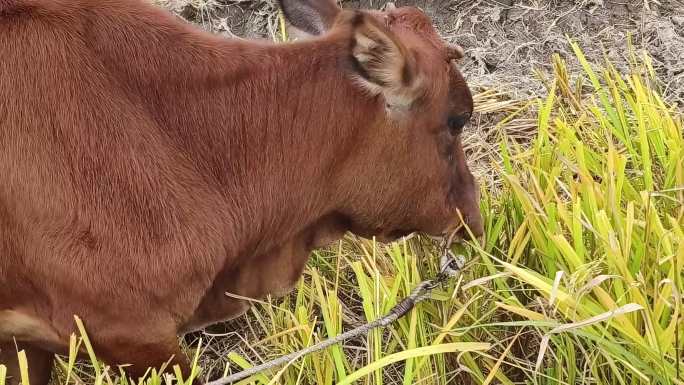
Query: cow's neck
(266,127)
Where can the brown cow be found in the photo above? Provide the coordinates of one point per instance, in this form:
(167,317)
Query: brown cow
(148,167)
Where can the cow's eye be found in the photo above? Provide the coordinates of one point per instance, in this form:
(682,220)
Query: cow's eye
(456,123)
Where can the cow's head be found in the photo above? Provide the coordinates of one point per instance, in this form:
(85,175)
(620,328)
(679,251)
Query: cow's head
(408,172)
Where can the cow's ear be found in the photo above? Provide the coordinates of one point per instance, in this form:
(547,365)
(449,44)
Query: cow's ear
(384,64)
(311,16)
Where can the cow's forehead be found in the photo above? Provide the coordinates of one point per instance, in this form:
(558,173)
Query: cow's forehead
(416,21)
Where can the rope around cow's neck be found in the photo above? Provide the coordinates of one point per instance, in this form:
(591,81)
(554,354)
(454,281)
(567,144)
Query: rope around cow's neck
(450,266)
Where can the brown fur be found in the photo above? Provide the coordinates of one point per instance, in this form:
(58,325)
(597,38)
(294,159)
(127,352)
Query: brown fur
(148,167)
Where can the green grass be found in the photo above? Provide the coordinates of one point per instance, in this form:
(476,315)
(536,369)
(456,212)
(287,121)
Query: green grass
(591,230)
(579,279)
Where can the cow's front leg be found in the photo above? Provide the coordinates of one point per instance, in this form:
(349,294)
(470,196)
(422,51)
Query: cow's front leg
(39,363)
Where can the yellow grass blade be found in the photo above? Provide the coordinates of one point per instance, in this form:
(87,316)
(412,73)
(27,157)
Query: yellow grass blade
(413,353)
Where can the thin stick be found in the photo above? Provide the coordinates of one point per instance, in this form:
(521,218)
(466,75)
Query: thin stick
(449,268)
